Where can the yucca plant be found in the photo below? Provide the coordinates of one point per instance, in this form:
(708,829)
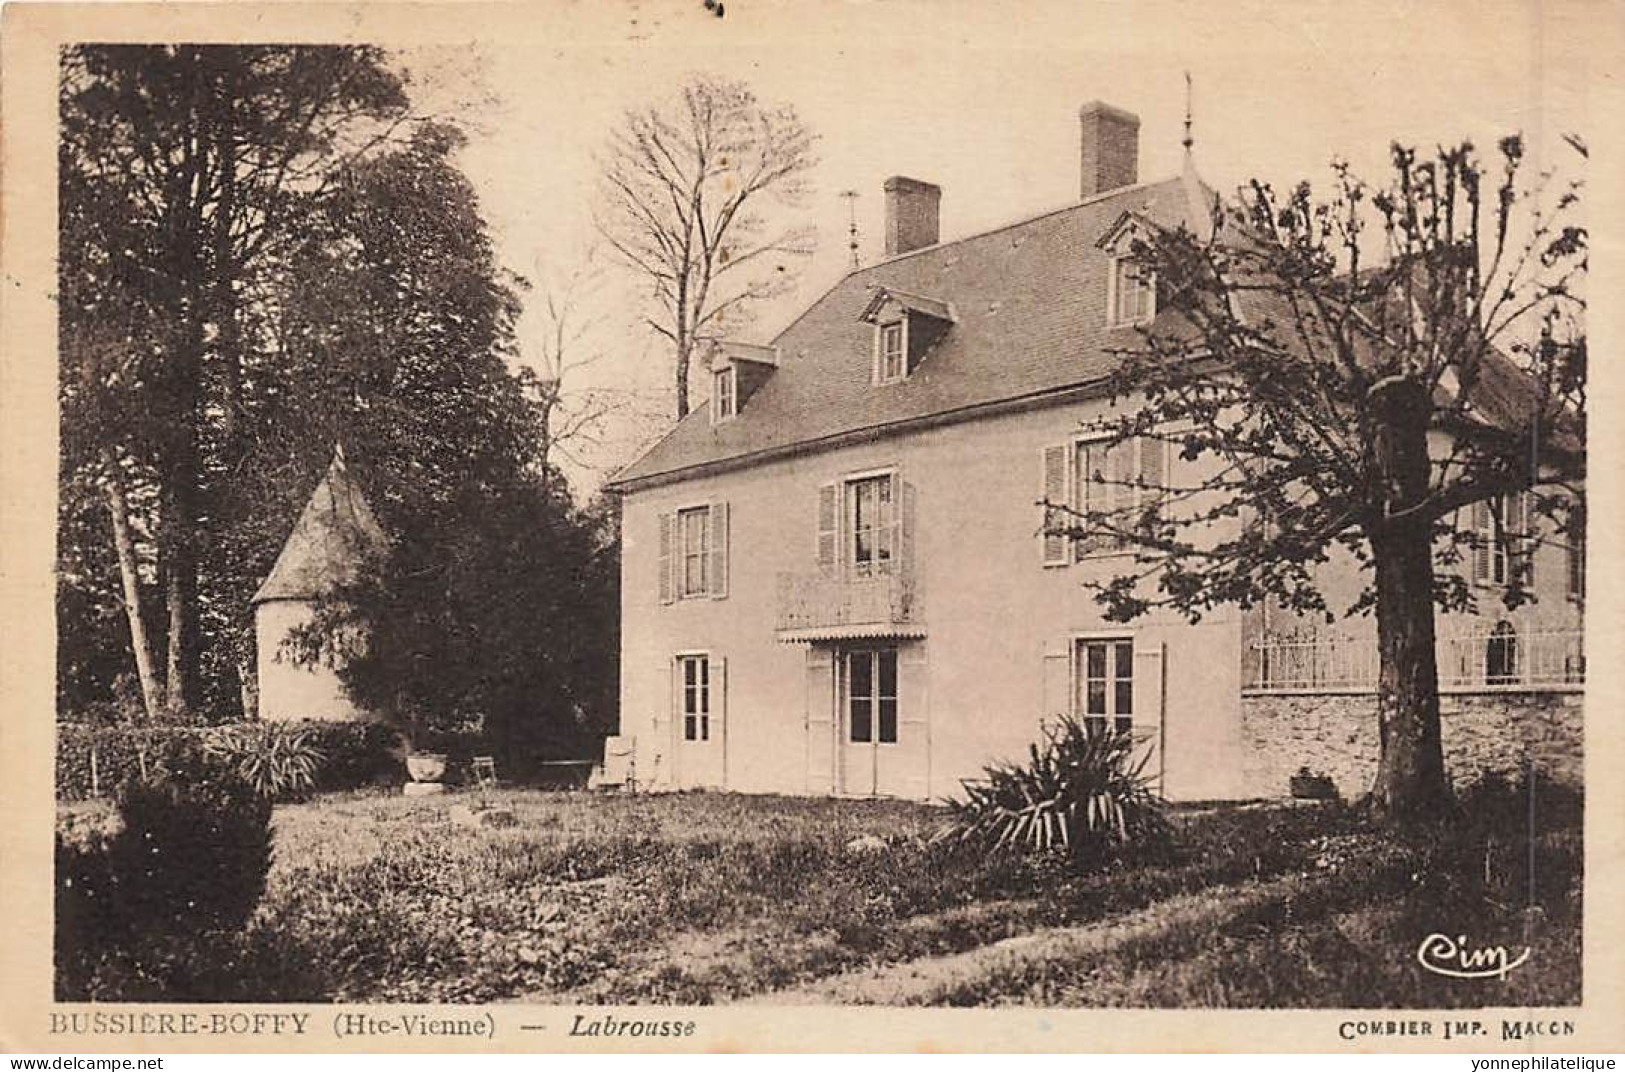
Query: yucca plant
(1082,793)
(278,761)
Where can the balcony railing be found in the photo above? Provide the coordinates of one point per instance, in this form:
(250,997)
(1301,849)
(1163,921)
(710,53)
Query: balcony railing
(1510,659)
(815,606)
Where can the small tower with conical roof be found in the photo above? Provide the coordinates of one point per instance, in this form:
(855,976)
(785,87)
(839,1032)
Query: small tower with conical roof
(335,540)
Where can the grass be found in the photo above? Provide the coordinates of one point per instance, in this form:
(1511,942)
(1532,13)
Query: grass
(698,899)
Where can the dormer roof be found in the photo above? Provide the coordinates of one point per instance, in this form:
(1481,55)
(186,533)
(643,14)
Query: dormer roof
(913,303)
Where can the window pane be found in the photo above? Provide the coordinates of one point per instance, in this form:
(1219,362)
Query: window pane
(705,672)
(862,674)
(705,728)
(888,721)
(1096,662)
(1096,725)
(861,732)
(688,727)
(1123,725)
(888,673)
(688,673)
(1123,659)
(1095,701)
(1124,697)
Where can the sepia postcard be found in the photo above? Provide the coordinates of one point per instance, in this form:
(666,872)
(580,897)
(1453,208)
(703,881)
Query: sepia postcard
(716,525)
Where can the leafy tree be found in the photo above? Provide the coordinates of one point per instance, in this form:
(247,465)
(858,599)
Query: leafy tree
(681,201)
(337,284)
(184,171)
(1325,405)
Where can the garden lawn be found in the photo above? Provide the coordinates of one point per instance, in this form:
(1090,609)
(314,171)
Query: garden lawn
(701,898)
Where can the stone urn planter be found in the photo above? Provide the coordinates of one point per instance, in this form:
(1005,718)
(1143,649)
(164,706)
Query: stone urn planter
(427,770)
(1309,785)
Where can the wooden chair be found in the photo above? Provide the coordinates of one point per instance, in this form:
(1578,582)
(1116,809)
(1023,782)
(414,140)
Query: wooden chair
(485,772)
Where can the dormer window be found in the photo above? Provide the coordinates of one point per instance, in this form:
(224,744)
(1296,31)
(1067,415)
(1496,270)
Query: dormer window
(724,396)
(1133,298)
(893,352)
(907,326)
(1131,286)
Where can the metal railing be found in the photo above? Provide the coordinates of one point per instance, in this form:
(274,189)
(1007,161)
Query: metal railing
(829,600)
(1511,658)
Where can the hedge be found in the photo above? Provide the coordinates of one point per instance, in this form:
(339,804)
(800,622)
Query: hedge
(94,760)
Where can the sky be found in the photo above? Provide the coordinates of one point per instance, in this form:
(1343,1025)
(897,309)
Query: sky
(982,99)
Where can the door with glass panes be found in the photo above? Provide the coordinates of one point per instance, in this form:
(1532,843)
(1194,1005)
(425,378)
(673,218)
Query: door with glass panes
(874,756)
(699,695)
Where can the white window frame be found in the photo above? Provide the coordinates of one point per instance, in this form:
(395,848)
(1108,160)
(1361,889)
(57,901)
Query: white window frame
(881,329)
(876,697)
(1118,264)
(680,588)
(704,708)
(1078,702)
(1080,490)
(728,376)
(847,532)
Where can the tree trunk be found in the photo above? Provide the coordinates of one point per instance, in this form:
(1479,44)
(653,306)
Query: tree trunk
(152,690)
(683,348)
(1410,781)
(179,503)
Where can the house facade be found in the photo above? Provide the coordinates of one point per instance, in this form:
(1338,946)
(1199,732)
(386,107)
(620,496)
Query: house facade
(837,577)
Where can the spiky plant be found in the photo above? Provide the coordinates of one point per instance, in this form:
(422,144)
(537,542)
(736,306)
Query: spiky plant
(278,761)
(1082,793)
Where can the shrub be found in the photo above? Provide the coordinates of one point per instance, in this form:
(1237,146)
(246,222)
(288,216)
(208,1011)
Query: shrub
(94,760)
(278,759)
(1081,794)
(143,895)
(356,754)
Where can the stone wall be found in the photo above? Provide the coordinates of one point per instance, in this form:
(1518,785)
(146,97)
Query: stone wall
(1337,735)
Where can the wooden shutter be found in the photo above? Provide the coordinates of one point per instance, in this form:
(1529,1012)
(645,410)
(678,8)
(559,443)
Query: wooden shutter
(1057,679)
(1148,703)
(719,711)
(1483,540)
(719,550)
(909,515)
(1055,491)
(1153,469)
(1526,542)
(1125,466)
(913,721)
(667,724)
(829,516)
(666,536)
(820,699)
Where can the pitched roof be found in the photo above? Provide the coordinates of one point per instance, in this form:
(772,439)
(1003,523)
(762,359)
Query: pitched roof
(1029,304)
(334,540)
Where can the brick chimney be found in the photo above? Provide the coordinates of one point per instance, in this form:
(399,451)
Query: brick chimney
(911,214)
(1109,149)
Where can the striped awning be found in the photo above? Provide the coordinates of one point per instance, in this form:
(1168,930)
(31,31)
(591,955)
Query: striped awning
(867,631)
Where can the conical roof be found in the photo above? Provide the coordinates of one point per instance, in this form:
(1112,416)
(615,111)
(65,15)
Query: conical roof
(335,539)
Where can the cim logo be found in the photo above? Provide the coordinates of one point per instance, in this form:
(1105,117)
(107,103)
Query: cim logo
(1453,957)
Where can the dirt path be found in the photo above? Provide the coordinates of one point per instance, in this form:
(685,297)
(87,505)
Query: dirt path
(928,980)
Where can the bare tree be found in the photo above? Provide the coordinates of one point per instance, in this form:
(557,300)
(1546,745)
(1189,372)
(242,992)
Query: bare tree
(682,189)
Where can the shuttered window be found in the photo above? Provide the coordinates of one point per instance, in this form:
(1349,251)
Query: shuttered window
(1116,481)
(1503,539)
(694,553)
